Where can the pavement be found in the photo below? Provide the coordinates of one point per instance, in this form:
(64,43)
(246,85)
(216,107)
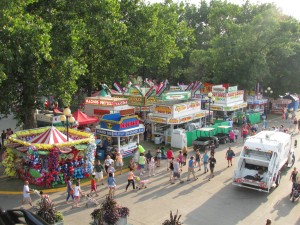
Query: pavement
(198,202)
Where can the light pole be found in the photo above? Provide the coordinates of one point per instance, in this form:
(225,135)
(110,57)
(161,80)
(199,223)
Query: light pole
(67,116)
(268,90)
(210,99)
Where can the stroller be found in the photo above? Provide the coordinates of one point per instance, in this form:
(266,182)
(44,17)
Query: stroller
(91,201)
(141,183)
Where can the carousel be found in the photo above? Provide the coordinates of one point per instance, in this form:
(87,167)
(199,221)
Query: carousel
(48,155)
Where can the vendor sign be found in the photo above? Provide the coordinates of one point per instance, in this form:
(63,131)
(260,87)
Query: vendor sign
(104,101)
(162,109)
(117,122)
(184,95)
(158,120)
(124,133)
(136,100)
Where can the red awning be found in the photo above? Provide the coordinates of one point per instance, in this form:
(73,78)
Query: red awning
(84,119)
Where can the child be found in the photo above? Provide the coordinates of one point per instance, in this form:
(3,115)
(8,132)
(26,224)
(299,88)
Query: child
(44,196)
(151,167)
(180,157)
(111,185)
(141,183)
(93,185)
(77,193)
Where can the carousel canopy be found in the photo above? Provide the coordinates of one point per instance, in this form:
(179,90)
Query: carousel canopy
(50,136)
(84,119)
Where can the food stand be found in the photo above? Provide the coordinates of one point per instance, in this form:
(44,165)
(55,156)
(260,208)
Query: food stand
(168,115)
(279,105)
(122,131)
(256,103)
(47,156)
(228,101)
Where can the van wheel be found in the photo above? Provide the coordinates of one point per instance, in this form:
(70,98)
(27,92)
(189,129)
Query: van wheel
(277,182)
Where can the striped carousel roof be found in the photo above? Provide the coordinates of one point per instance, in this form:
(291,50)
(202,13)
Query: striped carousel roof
(50,136)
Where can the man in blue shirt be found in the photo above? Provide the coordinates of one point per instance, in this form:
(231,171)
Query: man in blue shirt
(205,161)
(191,168)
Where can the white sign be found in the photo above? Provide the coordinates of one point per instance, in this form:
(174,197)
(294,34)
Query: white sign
(218,89)
(232,89)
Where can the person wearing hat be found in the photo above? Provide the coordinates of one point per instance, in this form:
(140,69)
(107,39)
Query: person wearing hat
(176,171)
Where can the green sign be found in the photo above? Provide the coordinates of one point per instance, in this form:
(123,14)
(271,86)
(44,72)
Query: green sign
(177,95)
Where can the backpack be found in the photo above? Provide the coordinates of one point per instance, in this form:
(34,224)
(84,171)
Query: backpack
(171,166)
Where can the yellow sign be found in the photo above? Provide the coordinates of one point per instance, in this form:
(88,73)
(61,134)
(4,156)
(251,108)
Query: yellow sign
(135,100)
(173,120)
(180,108)
(158,119)
(199,115)
(217,108)
(163,109)
(185,119)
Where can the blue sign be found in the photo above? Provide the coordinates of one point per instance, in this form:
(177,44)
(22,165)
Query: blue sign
(130,132)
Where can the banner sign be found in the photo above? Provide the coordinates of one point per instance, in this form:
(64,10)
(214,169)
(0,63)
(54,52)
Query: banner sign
(120,133)
(232,89)
(218,89)
(106,101)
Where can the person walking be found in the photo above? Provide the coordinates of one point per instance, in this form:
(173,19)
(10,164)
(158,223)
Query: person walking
(158,157)
(148,158)
(171,167)
(169,158)
(111,185)
(26,194)
(107,162)
(176,172)
(236,133)
(70,190)
(212,162)
(98,169)
(229,155)
(231,136)
(111,169)
(119,162)
(151,167)
(191,168)
(205,161)
(94,185)
(244,133)
(294,175)
(142,162)
(198,159)
(180,157)
(77,193)
(130,179)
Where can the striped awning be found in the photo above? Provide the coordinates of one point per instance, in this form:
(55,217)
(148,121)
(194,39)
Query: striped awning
(50,136)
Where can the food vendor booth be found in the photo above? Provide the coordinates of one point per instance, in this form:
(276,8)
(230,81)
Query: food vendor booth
(280,105)
(121,131)
(228,102)
(99,106)
(256,103)
(47,156)
(166,116)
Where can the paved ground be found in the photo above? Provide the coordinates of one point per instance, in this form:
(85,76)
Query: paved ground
(199,202)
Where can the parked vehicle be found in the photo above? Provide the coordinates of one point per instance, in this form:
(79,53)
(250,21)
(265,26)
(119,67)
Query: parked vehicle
(262,159)
(222,135)
(205,139)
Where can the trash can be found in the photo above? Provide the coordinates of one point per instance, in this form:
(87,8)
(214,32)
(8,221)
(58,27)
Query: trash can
(158,140)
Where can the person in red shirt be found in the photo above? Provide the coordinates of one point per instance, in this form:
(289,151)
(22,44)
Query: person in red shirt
(244,133)
(169,158)
(93,185)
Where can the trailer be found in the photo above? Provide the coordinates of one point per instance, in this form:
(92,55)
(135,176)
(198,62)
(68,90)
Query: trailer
(262,159)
